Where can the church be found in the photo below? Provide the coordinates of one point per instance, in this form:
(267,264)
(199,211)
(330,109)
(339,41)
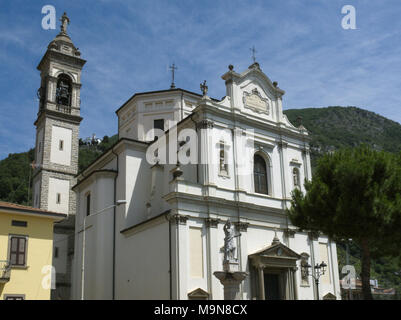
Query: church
(147,217)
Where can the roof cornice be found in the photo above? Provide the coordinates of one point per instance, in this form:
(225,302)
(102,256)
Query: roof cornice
(23,210)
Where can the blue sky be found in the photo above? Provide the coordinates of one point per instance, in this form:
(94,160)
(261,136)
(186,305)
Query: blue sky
(128,46)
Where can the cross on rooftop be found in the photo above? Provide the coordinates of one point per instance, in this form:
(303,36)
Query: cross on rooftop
(253,50)
(172,68)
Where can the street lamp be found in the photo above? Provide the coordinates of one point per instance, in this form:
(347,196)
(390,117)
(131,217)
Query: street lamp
(320,270)
(118,202)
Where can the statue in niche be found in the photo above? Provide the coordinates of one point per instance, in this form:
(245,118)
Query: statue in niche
(229,244)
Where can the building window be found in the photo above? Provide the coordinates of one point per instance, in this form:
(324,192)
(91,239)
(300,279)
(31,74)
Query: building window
(61,145)
(88,204)
(223,159)
(260,174)
(158,124)
(56,252)
(14,297)
(295,177)
(18,246)
(58,198)
(18,223)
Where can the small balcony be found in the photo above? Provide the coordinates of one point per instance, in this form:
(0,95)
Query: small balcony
(5,271)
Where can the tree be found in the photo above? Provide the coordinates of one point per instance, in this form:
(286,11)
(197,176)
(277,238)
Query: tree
(16,178)
(355,193)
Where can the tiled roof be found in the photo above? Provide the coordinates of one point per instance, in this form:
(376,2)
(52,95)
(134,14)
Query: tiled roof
(27,209)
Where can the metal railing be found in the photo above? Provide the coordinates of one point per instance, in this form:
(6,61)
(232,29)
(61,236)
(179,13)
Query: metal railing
(5,271)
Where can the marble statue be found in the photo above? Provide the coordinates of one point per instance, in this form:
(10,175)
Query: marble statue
(229,244)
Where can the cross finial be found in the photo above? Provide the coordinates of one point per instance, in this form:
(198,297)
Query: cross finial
(65,21)
(172,68)
(204,88)
(253,50)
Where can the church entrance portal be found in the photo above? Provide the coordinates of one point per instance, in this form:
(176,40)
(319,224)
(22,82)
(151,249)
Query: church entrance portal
(272,286)
(273,272)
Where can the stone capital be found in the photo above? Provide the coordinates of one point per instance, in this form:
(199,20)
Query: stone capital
(211,222)
(289,232)
(282,144)
(205,124)
(241,226)
(178,218)
(313,235)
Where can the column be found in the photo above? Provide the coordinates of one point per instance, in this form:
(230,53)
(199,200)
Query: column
(231,282)
(261,283)
(288,285)
(242,254)
(283,170)
(213,257)
(204,127)
(179,249)
(294,281)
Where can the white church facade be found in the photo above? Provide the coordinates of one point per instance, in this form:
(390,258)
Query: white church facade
(166,241)
(149,212)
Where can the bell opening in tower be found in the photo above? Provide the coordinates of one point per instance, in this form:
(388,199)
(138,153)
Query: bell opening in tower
(63,93)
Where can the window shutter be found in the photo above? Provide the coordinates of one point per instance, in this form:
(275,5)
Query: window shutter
(18,251)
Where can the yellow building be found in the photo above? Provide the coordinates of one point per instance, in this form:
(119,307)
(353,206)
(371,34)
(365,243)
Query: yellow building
(26,251)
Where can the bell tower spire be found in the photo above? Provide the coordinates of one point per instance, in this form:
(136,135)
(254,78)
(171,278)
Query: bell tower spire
(57,145)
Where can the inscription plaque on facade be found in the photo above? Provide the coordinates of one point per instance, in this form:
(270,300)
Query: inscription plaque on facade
(256,102)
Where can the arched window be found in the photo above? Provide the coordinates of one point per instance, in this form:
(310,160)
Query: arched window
(295,177)
(64,90)
(260,174)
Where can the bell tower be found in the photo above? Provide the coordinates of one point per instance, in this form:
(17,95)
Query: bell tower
(56,152)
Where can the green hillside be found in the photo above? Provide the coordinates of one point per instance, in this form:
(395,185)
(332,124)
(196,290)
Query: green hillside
(335,127)
(15,170)
(15,177)
(89,153)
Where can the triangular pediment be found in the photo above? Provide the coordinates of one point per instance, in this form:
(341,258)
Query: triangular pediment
(198,294)
(259,78)
(329,296)
(256,75)
(253,93)
(277,250)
